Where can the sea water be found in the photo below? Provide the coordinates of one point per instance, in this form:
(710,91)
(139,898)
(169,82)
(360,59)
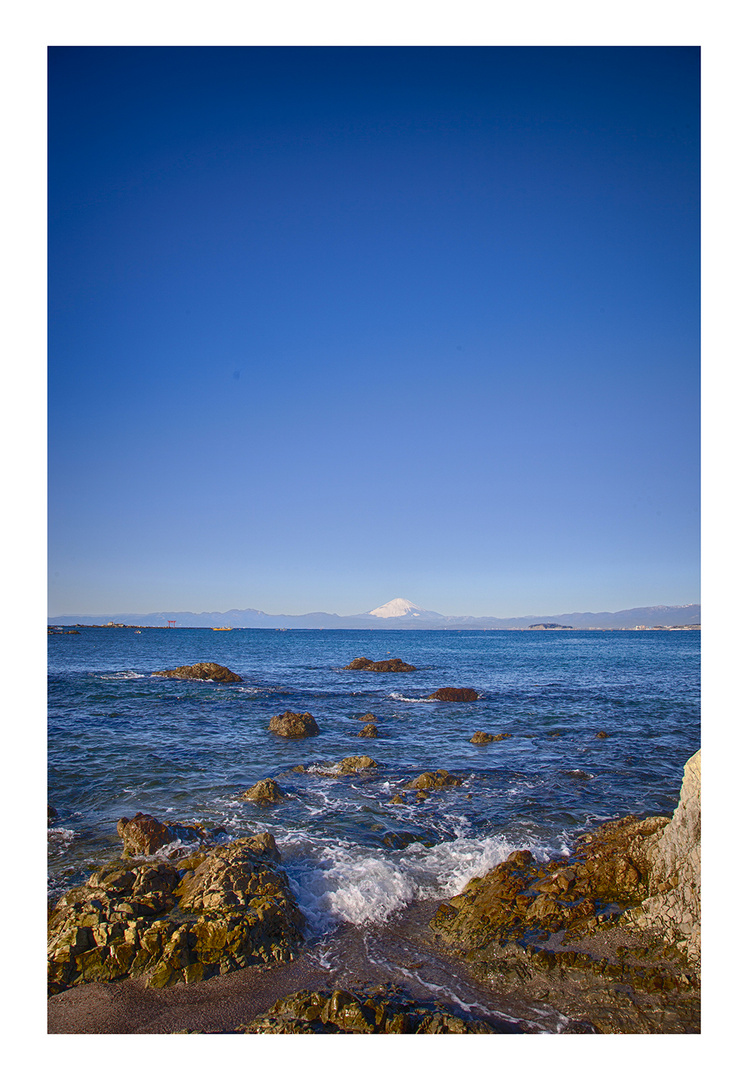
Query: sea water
(122,740)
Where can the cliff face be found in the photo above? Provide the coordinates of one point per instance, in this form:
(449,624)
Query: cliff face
(673,907)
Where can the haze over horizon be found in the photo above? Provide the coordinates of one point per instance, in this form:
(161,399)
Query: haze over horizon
(332,325)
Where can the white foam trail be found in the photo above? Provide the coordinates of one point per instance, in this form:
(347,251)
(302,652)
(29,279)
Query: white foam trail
(124,675)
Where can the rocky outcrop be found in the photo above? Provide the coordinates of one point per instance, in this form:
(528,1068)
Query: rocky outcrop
(482,738)
(380,1010)
(454,693)
(213,912)
(429,781)
(264,791)
(208,672)
(622,909)
(362,664)
(368,731)
(292,725)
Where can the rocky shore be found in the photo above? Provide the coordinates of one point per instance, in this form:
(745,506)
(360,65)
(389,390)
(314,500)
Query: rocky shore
(608,936)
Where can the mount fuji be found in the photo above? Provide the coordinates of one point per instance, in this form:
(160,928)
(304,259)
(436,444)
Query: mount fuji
(399,607)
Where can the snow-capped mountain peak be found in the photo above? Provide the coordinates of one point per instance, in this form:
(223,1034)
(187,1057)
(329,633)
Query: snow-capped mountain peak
(396,608)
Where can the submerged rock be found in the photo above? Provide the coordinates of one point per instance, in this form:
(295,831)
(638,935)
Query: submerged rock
(294,725)
(481,738)
(209,914)
(367,718)
(264,791)
(368,731)
(362,664)
(454,693)
(209,672)
(379,1010)
(428,781)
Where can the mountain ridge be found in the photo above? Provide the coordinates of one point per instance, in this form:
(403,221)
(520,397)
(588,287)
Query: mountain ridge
(414,618)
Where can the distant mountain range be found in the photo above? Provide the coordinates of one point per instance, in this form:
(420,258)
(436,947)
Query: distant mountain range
(399,614)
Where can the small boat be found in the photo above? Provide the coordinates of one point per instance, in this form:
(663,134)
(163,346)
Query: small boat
(222,628)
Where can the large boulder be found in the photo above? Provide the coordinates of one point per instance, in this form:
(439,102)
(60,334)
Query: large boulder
(206,672)
(358,763)
(454,693)
(293,725)
(264,791)
(143,834)
(213,912)
(362,664)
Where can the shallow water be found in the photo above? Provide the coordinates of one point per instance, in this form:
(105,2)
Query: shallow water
(122,741)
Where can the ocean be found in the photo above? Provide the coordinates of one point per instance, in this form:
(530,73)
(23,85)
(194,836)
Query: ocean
(122,740)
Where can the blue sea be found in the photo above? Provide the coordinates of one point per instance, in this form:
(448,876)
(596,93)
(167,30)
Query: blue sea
(122,740)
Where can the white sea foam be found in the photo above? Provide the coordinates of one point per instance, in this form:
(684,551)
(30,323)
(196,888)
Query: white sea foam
(349,883)
(124,675)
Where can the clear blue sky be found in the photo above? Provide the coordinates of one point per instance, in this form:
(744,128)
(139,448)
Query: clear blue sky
(333,325)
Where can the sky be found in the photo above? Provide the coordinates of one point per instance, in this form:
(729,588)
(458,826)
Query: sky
(333,325)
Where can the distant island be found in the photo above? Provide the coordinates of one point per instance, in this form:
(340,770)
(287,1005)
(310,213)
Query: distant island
(397,614)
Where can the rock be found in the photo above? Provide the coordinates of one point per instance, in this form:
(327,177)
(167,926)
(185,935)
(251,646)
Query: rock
(398,800)
(51,814)
(362,664)
(235,908)
(378,1010)
(454,693)
(368,731)
(294,725)
(481,738)
(630,890)
(209,672)
(367,718)
(429,781)
(264,791)
(355,764)
(143,834)
(601,735)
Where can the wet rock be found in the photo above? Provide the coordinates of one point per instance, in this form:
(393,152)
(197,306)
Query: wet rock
(211,672)
(264,791)
(379,1010)
(601,735)
(214,912)
(355,764)
(51,814)
(368,731)
(292,725)
(398,800)
(367,718)
(144,834)
(430,781)
(481,738)
(362,664)
(454,693)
